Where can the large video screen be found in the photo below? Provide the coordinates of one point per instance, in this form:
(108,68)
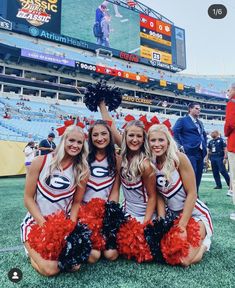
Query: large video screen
(123,30)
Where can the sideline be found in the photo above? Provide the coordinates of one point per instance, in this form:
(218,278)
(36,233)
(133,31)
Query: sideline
(11,249)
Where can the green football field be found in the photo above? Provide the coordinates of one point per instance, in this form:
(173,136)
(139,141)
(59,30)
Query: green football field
(215,270)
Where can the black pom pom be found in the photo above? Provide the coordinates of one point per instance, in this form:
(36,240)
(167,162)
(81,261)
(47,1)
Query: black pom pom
(154,233)
(94,94)
(113,98)
(77,249)
(100,91)
(113,218)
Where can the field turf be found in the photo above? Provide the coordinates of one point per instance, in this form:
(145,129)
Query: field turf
(216,270)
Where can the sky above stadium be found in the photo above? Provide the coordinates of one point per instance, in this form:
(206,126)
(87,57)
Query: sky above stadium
(210,43)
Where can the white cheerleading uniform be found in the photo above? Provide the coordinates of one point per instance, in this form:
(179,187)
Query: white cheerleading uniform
(54,192)
(175,196)
(100,183)
(135,197)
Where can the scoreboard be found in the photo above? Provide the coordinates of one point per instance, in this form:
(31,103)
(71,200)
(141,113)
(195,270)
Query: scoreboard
(162,42)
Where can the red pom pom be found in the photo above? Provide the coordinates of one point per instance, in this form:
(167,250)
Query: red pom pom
(193,233)
(131,241)
(48,240)
(174,247)
(92,214)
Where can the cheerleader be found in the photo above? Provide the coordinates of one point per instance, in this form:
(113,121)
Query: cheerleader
(137,173)
(176,183)
(138,177)
(55,182)
(104,179)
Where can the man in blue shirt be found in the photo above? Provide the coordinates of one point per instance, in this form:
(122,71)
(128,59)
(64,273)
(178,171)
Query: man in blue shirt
(46,146)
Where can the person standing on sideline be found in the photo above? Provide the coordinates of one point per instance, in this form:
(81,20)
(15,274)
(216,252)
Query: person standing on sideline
(190,135)
(229,131)
(217,154)
(46,146)
(29,152)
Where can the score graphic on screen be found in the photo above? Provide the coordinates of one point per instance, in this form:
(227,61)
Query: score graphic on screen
(155,39)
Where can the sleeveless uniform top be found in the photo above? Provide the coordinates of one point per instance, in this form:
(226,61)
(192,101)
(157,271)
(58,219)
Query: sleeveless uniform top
(172,191)
(175,196)
(100,183)
(135,196)
(54,192)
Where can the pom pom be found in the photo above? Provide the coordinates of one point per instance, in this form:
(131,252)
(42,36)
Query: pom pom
(113,98)
(131,241)
(100,91)
(77,248)
(94,94)
(175,247)
(193,232)
(155,231)
(48,240)
(113,218)
(92,214)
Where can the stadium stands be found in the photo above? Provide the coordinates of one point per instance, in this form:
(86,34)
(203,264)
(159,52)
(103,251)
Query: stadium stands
(38,95)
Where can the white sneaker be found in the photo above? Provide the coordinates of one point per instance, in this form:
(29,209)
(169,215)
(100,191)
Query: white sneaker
(229,193)
(232,216)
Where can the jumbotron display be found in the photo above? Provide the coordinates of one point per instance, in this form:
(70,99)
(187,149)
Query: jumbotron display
(121,29)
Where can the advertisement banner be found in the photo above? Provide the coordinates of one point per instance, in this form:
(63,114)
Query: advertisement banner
(45,14)
(47,57)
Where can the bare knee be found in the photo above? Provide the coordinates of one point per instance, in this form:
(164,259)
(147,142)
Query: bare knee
(111,254)
(199,255)
(50,269)
(185,262)
(94,256)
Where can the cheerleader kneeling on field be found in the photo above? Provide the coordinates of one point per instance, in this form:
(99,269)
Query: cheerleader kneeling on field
(104,180)
(55,182)
(176,184)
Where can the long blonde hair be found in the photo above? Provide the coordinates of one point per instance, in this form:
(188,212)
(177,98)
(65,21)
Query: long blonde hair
(134,168)
(172,159)
(80,165)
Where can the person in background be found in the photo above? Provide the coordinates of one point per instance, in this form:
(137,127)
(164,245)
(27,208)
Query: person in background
(99,15)
(229,131)
(217,154)
(30,153)
(190,135)
(176,183)
(105,27)
(65,173)
(47,146)
(115,7)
